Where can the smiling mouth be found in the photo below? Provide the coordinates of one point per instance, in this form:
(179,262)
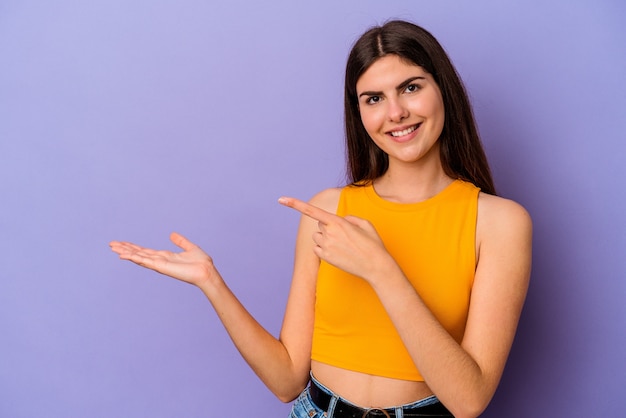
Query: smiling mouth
(406,131)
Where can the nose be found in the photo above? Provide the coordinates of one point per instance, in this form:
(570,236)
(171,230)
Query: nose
(397,111)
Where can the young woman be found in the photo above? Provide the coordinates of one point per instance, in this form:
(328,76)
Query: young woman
(409,282)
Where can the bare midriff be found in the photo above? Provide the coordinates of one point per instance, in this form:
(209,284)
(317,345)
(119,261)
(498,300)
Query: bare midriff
(366,390)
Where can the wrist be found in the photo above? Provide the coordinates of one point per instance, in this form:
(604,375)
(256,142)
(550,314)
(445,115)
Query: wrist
(210,279)
(382,269)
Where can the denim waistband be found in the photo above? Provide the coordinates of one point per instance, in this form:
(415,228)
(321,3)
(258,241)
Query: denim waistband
(338,407)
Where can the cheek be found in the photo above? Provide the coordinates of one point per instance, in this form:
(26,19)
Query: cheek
(438,109)
(371,120)
(441,117)
(430,105)
(433,110)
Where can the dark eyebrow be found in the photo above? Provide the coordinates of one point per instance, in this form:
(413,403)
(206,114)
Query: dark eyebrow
(398,87)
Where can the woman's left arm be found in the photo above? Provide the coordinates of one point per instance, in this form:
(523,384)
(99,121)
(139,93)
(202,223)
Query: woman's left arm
(464,377)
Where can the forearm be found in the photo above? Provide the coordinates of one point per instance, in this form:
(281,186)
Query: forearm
(448,369)
(266,355)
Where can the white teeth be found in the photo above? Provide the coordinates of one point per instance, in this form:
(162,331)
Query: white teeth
(404,132)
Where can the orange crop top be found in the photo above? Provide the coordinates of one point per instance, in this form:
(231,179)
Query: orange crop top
(434,242)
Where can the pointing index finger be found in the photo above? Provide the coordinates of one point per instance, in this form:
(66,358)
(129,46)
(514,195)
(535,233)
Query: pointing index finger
(307,209)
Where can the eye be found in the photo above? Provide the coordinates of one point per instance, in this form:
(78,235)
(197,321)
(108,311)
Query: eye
(373,100)
(412,88)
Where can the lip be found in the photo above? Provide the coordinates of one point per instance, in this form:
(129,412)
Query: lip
(407,137)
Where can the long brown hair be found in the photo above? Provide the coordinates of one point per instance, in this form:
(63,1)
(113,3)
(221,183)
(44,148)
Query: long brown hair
(461,151)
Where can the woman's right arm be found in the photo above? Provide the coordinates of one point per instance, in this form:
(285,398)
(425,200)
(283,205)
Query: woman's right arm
(282,364)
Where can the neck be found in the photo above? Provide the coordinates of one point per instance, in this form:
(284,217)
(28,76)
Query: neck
(411,183)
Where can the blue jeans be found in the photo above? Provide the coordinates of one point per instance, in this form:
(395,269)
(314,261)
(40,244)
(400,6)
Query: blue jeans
(304,407)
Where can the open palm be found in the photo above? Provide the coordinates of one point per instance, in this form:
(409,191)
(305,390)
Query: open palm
(192,265)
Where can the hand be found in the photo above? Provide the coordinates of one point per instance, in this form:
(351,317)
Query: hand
(192,265)
(349,243)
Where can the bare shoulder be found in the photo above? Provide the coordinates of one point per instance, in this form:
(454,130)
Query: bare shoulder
(499,215)
(503,229)
(327,199)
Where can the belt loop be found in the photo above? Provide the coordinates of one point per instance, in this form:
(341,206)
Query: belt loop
(331,406)
(399,412)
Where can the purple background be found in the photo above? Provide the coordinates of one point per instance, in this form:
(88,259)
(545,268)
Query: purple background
(130,119)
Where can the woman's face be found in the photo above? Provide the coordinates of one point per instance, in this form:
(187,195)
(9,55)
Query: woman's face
(401,109)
